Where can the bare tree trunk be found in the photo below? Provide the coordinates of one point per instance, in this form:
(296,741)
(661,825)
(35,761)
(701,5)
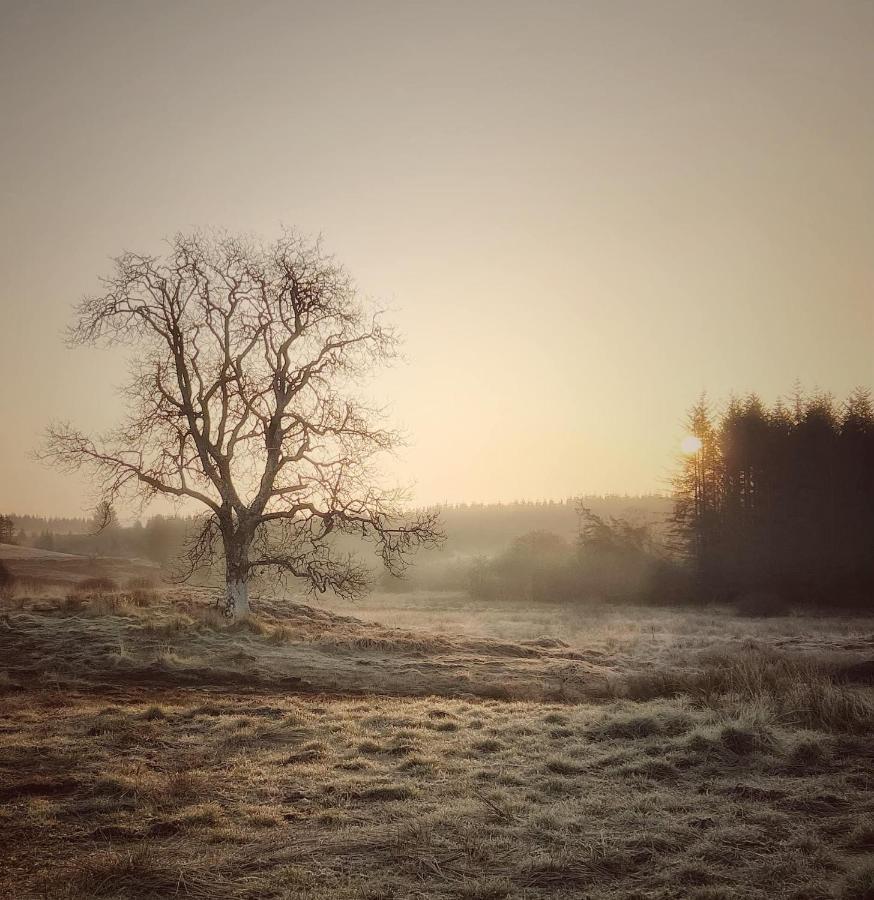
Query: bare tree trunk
(236,578)
(237,596)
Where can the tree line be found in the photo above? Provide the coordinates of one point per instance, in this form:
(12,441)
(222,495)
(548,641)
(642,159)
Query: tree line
(472,528)
(159,539)
(778,501)
(771,507)
(7,530)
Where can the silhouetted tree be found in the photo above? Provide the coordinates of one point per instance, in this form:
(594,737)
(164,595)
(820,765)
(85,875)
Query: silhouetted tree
(698,493)
(242,397)
(854,484)
(617,559)
(7,530)
(794,508)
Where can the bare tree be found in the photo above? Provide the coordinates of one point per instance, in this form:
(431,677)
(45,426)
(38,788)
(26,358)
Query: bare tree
(242,397)
(105,517)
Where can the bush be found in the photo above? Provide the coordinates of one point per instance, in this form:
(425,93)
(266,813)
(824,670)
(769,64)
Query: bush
(612,560)
(538,567)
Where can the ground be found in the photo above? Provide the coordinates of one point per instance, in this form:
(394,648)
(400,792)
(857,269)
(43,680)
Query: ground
(148,749)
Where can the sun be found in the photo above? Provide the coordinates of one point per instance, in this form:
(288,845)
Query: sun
(690,444)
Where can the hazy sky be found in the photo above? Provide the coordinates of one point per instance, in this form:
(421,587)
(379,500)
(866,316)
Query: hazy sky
(583,213)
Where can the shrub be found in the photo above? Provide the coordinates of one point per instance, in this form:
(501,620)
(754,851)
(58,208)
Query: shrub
(612,560)
(538,567)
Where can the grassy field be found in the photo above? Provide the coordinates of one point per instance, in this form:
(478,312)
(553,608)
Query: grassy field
(149,750)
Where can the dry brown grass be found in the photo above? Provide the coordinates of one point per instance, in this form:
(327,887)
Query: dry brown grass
(804,691)
(173,637)
(269,796)
(178,636)
(651,760)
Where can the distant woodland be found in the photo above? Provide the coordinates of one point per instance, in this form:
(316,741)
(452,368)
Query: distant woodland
(472,528)
(773,507)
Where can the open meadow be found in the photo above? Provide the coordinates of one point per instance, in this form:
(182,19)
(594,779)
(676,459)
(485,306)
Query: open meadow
(438,450)
(423,745)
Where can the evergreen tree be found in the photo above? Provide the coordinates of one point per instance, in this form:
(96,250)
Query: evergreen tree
(780,500)
(7,530)
(696,524)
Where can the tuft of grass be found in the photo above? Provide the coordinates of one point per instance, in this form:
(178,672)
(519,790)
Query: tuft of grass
(809,753)
(153,713)
(141,597)
(799,691)
(445,725)
(582,867)
(563,765)
(202,815)
(419,764)
(183,786)
(654,769)
(745,740)
(859,885)
(488,887)
(826,705)
(633,722)
(555,718)
(139,872)
(381,792)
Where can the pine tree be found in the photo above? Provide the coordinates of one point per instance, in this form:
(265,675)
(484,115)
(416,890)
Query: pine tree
(7,530)
(698,494)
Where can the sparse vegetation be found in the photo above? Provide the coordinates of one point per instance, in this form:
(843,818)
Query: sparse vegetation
(324,797)
(654,752)
(98,585)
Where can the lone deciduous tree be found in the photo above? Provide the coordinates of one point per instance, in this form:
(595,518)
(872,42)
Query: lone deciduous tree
(242,397)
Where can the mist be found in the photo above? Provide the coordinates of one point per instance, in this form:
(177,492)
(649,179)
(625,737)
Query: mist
(438,449)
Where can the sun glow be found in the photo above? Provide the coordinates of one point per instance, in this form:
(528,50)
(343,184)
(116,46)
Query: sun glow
(690,444)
